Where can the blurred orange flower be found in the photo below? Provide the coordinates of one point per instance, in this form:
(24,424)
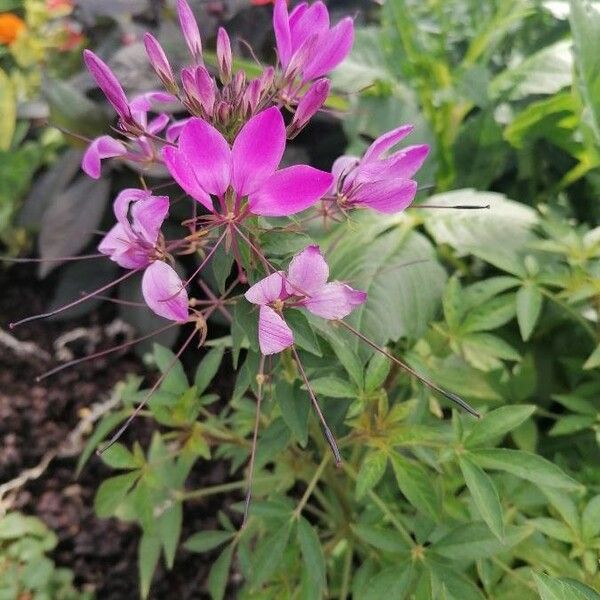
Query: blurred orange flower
(10,27)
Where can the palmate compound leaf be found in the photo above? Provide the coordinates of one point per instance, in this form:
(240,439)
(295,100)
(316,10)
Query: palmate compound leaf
(398,269)
(551,588)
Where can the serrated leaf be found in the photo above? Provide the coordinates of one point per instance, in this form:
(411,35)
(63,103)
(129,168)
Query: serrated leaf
(204,541)
(484,494)
(370,473)
(312,554)
(498,423)
(529,307)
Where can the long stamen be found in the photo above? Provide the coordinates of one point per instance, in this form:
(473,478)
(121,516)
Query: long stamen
(260,379)
(147,397)
(454,206)
(448,395)
(75,302)
(326,431)
(102,353)
(53,259)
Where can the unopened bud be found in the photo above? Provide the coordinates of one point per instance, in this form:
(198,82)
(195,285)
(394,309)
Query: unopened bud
(160,62)
(224,58)
(199,88)
(189,28)
(309,105)
(252,97)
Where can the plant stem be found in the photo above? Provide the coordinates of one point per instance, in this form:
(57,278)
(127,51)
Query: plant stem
(222,488)
(311,486)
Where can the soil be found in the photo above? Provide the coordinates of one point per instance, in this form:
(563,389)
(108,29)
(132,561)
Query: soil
(36,417)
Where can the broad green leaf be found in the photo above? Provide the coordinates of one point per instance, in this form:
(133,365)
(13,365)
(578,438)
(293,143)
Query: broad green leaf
(529,306)
(491,315)
(333,387)
(341,343)
(393,582)
(8,110)
(387,540)
(551,588)
(525,465)
(207,369)
(416,484)
(312,553)
(112,492)
(219,573)
(553,528)
(203,541)
(590,519)
(498,423)
(480,292)
(498,236)
(370,473)
(175,381)
(484,494)
(456,584)
(269,554)
(568,424)
(484,350)
(148,555)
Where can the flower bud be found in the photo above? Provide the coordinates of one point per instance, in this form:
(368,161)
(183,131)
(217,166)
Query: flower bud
(108,83)
(224,58)
(189,27)
(160,63)
(206,89)
(267,78)
(310,103)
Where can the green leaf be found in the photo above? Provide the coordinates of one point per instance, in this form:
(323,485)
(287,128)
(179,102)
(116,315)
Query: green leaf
(112,492)
(491,315)
(452,303)
(119,457)
(416,484)
(498,423)
(593,360)
(377,372)
(295,407)
(269,554)
(484,494)
(484,350)
(312,553)
(387,540)
(169,530)
(529,307)
(8,110)
(148,555)
(525,465)
(332,387)
(590,519)
(457,585)
(219,573)
(203,541)
(175,381)
(393,582)
(342,346)
(370,473)
(481,292)
(569,424)
(304,336)
(551,588)
(207,369)
(553,528)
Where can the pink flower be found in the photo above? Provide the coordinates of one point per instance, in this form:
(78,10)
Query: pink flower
(189,27)
(204,165)
(377,181)
(100,148)
(306,42)
(305,285)
(133,243)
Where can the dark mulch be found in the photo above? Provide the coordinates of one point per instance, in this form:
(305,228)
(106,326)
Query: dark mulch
(37,417)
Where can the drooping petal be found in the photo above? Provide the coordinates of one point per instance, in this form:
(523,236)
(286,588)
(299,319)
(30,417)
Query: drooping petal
(333,47)
(283,36)
(124,200)
(386,141)
(267,290)
(274,335)
(164,293)
(183,173)
(400,165)
(121,247)
(158,123)
(107,82)
(101,148)
(308,272)
(148,216)
(290,191)
(257,150)
(388,196)
(335,301)
(208,153)
(311,20)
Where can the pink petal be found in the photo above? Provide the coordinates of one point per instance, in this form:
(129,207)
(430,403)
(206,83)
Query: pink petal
(267,290)
(274,335)
(148,216)
(308,22)
(189,27)
(344,171)
(183,173)
(208,153)
(386,141)
(283,37)
(401,165)
(174,130)
(164,293)
(257,150)
(101,148)
(122,249)
(107,82)
(335,301)
(289,191)
(333,47)
(124,200)
(388,196)
(158,123)
(308,272)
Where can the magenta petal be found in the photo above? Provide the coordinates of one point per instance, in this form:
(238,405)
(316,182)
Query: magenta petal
(401,165)
(119,245)
(308,22)
(344,171)
(332,48)
(148,216)
(335,301)
(283,37)
(189,27)
(164,293)
(174,130)
(257,150)
(208,153)
(308,272)
(289,191)
(183,173)
(386,141)
(388,196)
(124,200)
(101,148)
(274,335)
(267,290)
(107,82)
